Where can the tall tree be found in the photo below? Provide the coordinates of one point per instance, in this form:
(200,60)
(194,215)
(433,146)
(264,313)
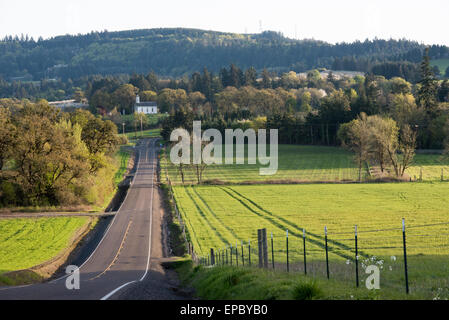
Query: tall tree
(7,136)
(428,85)
(355,136)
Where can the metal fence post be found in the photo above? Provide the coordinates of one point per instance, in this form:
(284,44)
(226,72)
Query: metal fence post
(236,254)
(327,254)
(405,256)
(272,250)
(227,255)
(249,252)
(230,254)
(286,239)
(304,246)
(356,260)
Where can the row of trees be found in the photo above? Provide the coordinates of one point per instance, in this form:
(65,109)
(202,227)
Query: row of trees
(191,50)
(48,157)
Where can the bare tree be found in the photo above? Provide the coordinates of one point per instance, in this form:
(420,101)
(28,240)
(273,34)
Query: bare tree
(383,135)
(355,135)
(407,147)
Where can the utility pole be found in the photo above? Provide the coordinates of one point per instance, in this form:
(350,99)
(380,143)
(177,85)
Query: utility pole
(141,130)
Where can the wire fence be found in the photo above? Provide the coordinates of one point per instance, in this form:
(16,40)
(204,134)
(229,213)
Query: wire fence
(409,258)
(402,261)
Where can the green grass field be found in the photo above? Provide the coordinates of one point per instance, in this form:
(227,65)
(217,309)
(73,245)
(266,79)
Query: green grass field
(442,64)
(431,165)
(150,133)
(307,164)
(301,163)
(217,216)
(27,242)
(122,156)
(232,283)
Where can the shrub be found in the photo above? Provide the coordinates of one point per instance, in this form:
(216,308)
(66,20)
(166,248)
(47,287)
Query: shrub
(307,291)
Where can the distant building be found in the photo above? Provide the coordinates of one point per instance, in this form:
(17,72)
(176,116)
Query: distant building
(146,107)
(68,104)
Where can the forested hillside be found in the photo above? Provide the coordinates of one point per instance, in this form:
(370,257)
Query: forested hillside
(177,52)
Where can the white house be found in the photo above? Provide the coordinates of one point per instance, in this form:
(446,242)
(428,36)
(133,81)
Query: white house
(146,107)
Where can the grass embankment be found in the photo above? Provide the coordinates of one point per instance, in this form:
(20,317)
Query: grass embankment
(219,216)
(102,187)
(115,172)
(28,242)
(296,163)
(233,283)
(150,133)
(305,164)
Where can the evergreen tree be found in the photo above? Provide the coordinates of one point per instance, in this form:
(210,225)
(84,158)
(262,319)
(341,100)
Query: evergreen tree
(428,89)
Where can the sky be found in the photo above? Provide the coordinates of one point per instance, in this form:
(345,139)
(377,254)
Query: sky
(329,20)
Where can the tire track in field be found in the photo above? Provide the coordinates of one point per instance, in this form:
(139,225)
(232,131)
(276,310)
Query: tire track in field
(187,221)
(319,241)
(201,212)
(271,219)
(216,217)
(330,241)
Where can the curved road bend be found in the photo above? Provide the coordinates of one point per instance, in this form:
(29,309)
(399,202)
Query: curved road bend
(122,258)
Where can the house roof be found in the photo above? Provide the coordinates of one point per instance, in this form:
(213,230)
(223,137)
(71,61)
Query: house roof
(146,104)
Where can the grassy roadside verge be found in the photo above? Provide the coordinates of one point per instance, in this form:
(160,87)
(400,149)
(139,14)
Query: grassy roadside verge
(150,133)
(234,283)
(106,184)
(32,249)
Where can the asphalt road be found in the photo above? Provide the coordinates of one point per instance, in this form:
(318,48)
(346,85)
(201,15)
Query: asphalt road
(124,258)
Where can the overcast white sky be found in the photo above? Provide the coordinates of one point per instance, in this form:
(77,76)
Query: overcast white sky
(330,20)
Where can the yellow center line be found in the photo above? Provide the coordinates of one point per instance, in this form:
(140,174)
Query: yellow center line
(116,256)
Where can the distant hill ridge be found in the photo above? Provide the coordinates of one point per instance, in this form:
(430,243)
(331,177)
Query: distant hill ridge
(178,51)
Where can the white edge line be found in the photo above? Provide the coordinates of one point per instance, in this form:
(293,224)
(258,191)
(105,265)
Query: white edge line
(110,225)
(106,297)
(110,294)
(104,236)
(151,224)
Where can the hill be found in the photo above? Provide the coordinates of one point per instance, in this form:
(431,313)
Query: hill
(177,52)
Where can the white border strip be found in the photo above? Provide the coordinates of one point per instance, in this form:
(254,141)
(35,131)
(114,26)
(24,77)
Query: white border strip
(110,294)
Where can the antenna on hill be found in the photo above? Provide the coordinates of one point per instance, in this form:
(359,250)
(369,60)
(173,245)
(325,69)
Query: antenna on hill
(260,26)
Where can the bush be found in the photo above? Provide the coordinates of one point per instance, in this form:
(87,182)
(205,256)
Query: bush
(7,194)
(307,291)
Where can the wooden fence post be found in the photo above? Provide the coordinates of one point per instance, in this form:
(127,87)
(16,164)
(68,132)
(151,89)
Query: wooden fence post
(356,259)
(259,244)
(272,250)
(327,254)
(304,247)
(212,256)
(286,239)
(265,248)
